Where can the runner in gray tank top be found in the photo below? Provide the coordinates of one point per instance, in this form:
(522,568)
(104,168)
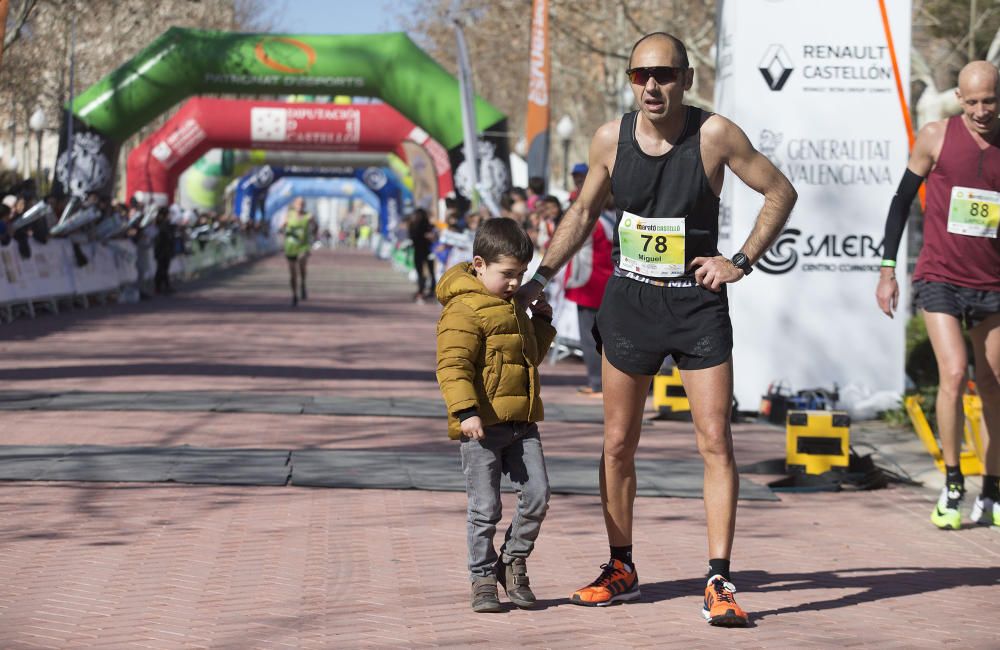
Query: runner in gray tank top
(665,164)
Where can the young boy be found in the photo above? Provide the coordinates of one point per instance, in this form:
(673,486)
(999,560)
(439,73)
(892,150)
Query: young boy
(488,352)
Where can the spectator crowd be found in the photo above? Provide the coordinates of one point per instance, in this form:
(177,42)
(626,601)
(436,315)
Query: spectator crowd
(164,231)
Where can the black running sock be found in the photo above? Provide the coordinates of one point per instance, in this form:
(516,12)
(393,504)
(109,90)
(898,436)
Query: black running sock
(718,566)
(623,554)
(991,487)
(953,475)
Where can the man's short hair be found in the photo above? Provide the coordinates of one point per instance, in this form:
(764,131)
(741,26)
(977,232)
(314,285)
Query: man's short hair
(500,237)
(536,184)
(676,42)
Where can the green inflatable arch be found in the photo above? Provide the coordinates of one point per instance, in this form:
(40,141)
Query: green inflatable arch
(185,62)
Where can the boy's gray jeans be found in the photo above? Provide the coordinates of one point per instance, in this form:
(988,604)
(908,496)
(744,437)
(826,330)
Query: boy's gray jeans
(514,449)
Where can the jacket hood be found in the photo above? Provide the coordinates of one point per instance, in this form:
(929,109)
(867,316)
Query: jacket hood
(458,280)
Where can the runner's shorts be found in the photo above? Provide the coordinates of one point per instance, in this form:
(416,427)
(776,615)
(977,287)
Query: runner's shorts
(972,306)
(639,324)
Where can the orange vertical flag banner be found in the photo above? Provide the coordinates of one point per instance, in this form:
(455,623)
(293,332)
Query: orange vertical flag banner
(899,87)
(4,8)
(539,81)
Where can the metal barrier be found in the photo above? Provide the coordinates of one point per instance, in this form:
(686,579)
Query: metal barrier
(53,274)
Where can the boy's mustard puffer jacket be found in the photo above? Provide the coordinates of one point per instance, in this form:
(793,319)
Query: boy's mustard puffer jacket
(488,353)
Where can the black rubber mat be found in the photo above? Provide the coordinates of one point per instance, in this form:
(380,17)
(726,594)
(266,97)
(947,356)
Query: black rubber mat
(144,464)
(374,469)
(223,402)
(324,468)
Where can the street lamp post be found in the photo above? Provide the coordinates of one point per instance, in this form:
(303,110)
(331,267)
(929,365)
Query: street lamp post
(12,127)
(37,123)
(564,129)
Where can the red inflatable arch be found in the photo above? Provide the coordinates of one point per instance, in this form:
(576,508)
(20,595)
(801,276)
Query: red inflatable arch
(205,123)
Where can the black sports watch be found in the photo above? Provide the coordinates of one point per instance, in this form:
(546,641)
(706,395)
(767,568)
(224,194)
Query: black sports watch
(742,262)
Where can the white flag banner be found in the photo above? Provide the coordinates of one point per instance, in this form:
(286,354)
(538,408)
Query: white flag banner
(815,87)
(468,105)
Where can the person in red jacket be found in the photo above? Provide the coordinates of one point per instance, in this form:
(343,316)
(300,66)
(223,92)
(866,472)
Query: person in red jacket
(586,277)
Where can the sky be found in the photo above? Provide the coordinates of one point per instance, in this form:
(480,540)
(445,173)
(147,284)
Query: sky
(339,16)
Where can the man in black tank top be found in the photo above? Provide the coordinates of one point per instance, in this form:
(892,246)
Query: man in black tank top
(665,165)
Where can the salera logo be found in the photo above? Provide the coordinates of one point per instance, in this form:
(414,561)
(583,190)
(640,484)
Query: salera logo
(824,252)
(285,54)
(782,256)
(776,67)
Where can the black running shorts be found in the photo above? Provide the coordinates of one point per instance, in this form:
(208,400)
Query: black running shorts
(639,324)
(971,306)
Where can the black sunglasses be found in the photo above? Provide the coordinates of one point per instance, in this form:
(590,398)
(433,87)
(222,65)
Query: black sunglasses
(661,73)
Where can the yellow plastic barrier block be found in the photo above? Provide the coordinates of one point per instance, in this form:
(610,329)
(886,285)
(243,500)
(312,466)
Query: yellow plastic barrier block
(669,396)
(817,441)
(972,454)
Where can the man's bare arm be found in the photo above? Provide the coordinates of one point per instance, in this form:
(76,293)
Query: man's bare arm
(580,218)
(760,174)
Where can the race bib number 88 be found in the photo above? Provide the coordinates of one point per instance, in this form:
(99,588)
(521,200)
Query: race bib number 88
(974,212)
(651,247)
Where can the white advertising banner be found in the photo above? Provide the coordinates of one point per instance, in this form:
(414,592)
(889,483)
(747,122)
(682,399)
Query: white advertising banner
(48,274)
(125,254)
(52,271)
(99,274)
(14,282)
(815,88)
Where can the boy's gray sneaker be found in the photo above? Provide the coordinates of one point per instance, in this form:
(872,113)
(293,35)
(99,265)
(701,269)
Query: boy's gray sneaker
(484,595)
(514,578)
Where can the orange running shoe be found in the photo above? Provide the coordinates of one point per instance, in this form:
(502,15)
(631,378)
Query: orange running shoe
(618,582)
(720,606)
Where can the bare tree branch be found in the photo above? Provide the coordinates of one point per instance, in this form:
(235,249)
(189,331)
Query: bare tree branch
(961,45)
(627,13)
(570,33)
(993,54)
(21,16)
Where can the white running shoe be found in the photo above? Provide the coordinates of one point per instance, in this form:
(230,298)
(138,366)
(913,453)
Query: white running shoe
(986,512)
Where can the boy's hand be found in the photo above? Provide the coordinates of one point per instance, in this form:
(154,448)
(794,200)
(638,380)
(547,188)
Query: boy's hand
(541,307)
(527,293)
(473,428)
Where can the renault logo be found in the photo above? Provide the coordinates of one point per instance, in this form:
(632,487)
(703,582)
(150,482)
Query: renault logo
(776,67)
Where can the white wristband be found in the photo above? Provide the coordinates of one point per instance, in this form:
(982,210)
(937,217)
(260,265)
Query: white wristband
(540,279)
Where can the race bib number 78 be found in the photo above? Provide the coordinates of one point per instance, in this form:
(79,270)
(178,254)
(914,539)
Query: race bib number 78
(974,212)
(651,247)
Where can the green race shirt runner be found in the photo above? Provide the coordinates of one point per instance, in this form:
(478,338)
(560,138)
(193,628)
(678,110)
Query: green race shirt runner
(298,234)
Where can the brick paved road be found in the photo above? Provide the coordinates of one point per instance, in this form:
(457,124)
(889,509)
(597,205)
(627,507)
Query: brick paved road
(163,566)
